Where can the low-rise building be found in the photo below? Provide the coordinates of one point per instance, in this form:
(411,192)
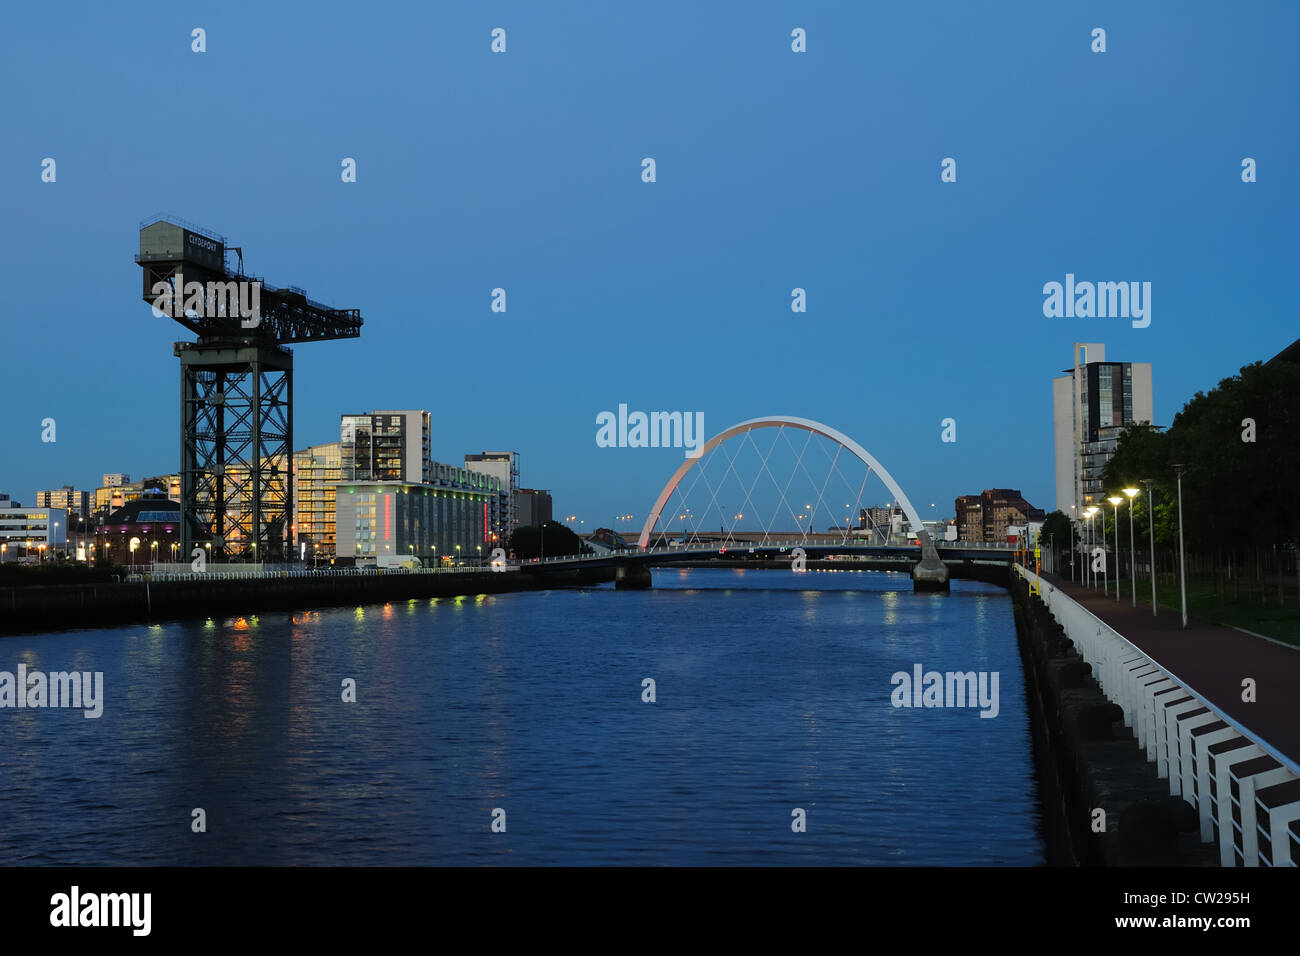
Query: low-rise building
(141,532)
(31,534)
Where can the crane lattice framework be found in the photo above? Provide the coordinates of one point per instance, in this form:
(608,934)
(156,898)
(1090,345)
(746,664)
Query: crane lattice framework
(236,388)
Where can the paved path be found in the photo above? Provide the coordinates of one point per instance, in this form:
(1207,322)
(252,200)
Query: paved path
(1213,660)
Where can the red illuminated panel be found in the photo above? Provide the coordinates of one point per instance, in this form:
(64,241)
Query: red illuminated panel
(388,516)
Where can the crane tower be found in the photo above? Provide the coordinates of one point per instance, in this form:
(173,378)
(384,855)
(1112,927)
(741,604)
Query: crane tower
(236,388)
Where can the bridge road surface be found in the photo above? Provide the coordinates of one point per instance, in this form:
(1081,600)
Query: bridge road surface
(1212,660)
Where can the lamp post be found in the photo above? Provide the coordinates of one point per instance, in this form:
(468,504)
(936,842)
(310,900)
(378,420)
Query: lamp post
(1182,558)
(1091,575)
(1151,526)
(1115,503)
(1132,548)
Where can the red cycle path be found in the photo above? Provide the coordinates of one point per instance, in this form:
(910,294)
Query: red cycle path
(1213,661)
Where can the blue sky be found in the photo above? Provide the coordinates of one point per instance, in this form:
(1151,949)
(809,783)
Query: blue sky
(775,170)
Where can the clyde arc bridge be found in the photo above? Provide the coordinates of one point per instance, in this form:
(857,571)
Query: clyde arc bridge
(752,483)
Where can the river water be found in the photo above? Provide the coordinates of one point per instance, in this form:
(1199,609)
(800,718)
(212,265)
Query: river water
(772,696)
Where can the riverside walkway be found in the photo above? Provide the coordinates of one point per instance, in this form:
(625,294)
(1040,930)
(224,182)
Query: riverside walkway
(1212,659)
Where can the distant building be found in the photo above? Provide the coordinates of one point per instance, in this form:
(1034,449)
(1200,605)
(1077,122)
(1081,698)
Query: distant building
(385,446)
(533,507)
(70,500)
(152,523)
(316,471)
(970,518)
(988,515)
(940,530)
(504,466)
(118,490)
(880,522)
(30,534)
(1092,405)
(103,497)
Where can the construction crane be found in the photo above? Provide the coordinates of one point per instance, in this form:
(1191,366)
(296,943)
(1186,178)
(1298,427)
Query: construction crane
(236,389)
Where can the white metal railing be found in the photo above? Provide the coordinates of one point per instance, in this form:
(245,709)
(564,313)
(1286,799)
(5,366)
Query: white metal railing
(216,574)
(1177,727)
(715,547)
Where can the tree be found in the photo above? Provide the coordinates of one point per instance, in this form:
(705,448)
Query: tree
(527,541)
(1057,533)
(1239,445)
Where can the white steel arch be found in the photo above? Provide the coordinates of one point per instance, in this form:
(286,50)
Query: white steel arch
(785,421)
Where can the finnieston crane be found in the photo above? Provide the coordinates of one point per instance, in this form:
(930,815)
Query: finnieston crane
(236,389)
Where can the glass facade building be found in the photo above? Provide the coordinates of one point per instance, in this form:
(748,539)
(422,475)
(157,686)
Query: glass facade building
(444,520)
(1092,405)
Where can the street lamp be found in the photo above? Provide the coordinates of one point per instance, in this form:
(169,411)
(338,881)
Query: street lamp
(1132,548)
(1092,537)
(1182,558)
(1074,552)
(1115,503)
(1151,525)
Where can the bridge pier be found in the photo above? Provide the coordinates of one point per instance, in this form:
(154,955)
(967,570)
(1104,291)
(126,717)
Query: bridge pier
(930,573)
(632,577)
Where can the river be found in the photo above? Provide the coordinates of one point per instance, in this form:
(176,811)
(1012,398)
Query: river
(772,696)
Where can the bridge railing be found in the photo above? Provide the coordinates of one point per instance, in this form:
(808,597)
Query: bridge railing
(1243,788)
(715,547)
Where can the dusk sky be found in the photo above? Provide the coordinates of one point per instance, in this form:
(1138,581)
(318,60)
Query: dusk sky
(523,170)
